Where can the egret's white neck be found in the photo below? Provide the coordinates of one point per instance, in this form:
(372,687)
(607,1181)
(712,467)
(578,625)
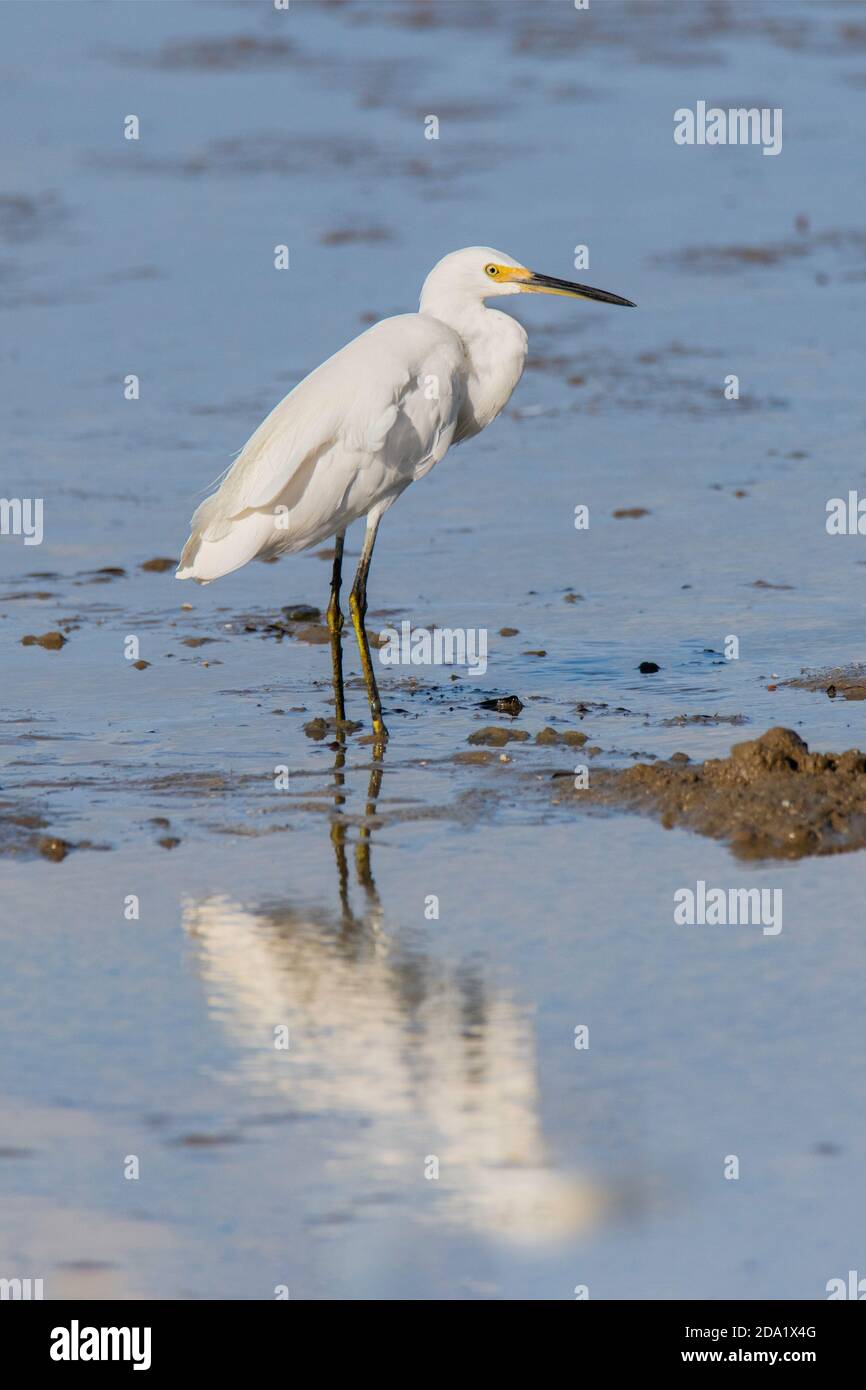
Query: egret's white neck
(467,316)
(495,347)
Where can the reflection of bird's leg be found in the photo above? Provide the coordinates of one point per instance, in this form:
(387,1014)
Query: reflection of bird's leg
(338,829)
(358,610)
(362,849)
(335,627)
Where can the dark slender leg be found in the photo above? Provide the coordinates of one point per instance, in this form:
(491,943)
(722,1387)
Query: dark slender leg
(358,610)
(335,627)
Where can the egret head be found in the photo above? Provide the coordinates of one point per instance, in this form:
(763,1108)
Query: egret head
(478,272)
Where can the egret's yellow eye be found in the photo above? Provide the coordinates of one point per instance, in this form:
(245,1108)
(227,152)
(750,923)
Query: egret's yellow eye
(492,270)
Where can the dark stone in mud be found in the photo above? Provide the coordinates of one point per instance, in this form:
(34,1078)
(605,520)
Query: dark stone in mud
(169,842)
(302,613)
(538,651)
(197,641)
(318,728)
(771,798)
(509,631)
(480,756)
(159,564)
(496,737)
(571,737)
(53,848)
(311,630)
(51,641)
(322,728)
(635,512)
(849,682)
(507,704)
(316,633)
(140,665)
(648,668)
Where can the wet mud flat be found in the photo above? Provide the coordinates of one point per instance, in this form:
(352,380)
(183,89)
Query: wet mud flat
(770,799)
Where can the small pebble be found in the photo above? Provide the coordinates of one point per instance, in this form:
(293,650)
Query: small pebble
(302,613)
(507,704)
(159,564)
(53,848)
(572,737)
(496,737)
(51,641)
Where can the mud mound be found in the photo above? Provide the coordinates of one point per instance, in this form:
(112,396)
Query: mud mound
(846,682)
(771,798)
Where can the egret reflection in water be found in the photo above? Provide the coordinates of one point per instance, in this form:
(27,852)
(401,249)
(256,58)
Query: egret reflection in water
(435,1059)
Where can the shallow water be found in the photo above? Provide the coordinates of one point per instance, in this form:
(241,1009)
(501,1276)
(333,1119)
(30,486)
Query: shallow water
(412,1037)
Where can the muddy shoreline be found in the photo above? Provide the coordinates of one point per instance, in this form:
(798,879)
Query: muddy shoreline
(770,799)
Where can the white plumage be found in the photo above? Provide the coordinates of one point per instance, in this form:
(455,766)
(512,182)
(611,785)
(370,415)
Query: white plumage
(369,421)
(351,435)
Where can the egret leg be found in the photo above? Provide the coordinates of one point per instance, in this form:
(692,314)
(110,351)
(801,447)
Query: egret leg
(335,627)
(358,610)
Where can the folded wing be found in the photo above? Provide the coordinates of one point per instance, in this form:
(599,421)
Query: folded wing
(363,425)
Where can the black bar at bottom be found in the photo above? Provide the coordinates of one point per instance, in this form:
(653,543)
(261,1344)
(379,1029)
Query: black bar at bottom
(158,1337)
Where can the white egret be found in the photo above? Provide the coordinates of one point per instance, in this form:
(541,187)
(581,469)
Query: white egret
(364,425)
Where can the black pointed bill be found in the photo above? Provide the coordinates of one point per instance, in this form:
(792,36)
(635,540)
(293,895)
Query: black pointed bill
(548,284)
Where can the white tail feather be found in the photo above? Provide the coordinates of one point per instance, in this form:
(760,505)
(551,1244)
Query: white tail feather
(238,541)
